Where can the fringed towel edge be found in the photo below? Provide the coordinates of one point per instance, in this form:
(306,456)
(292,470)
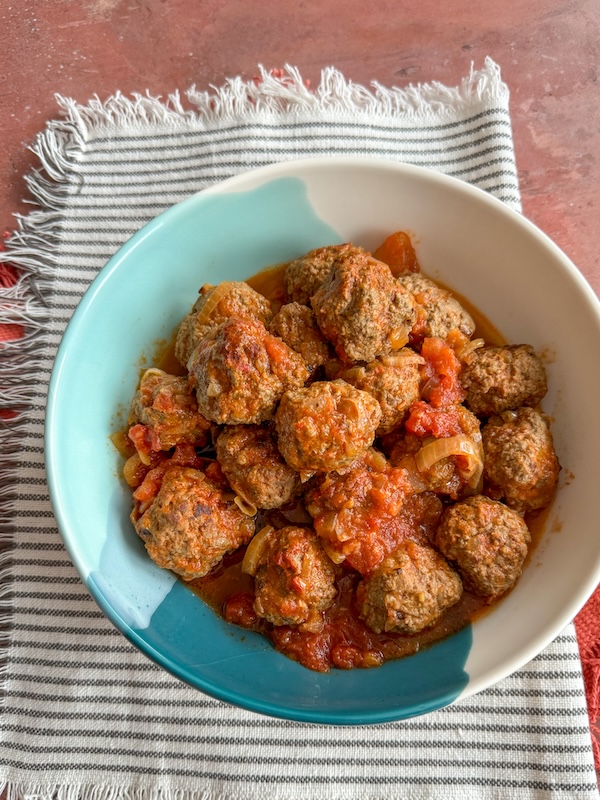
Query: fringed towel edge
(285,94)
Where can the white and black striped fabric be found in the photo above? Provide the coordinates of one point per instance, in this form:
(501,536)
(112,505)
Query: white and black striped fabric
(84,714)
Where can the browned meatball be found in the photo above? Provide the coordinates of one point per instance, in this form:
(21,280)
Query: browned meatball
(521,466)
(498,379)
(215,305)
(167,407)
(408,591)
(362,310)
(254,467)
(442,447)
(296,325)
(304,275)
(240,371)
(294,579)
(438,311)
(487,540)
(190,524)
(325,426)
(393,381)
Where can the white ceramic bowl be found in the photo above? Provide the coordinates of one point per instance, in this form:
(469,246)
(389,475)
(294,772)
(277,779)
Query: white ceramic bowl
(504,265)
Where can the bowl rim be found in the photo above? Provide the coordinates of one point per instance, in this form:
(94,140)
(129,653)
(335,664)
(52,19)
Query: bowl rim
(244,181)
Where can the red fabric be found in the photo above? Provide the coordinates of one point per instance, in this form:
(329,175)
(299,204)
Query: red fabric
(587,623)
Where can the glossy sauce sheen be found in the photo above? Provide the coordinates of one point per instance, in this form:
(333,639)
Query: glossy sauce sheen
(344,641)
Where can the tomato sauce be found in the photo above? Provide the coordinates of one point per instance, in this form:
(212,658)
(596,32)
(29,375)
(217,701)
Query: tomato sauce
(344,640)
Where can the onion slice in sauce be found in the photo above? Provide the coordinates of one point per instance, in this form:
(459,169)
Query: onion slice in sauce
(461,445)
(212,301)
(245,506)
(255,550)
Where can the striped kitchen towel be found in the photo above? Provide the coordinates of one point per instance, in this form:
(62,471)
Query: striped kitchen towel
(84,714)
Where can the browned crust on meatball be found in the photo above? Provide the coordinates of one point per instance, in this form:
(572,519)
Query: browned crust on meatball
(297,326)
(362,310)
(240,372)
(439,311)
(167,407)
(304,275)
(191,524)
(238,300)
(498,379)
(394,381)
(520,465)
(488,542)
(408,591)
(295,579)
(255,468)
(325,426)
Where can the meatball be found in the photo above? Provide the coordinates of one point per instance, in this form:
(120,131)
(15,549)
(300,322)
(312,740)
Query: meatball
(304,275)
(293,577)
(254,467)
(521,466)
(296,325)
(442,447)
(325,426)
(488,542)
(393,381)
(438,312)
(498,379)
(215,305)
(408,591)
(166,406)
(362,310)
(240,371)
(191,525)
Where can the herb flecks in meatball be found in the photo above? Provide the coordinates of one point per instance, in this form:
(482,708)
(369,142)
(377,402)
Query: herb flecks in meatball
(409,590)
(438,312)
(498,379)
(240,371)
(166,408)
(215,305)
(294,578)
(325,426)
(250,459)
(191,524)
(304,275)
(521,466)
(362,310)
(487,540)
(296,325)
(393,381)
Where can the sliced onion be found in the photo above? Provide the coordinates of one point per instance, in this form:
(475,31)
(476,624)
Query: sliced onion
(151,372)
(461,445)
(398,337)
(334,555)
(352,374)
(255,550)
(402,358)
(131,471)
(212,301)
(245,506)
(470,347)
